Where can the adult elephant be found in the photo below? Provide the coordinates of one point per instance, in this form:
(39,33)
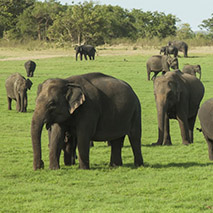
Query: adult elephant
(160,63)
(177,96)
(16,87)
(181,46)
(92,106)
(169,50)
(30,68)
(192,69)
(85,50)
(205,115)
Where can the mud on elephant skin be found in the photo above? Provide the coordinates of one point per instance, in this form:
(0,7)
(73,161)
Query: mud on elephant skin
(177,96)
(86,50)
(16,87)
(206,121)
(160,63)
(92,106)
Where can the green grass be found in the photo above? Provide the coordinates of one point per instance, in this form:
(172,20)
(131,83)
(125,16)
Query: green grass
(174,179)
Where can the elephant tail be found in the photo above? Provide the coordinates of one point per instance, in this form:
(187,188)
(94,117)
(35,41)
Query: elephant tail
(199,129)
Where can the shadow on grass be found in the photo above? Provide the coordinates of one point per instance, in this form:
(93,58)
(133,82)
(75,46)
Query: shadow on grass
(179,165)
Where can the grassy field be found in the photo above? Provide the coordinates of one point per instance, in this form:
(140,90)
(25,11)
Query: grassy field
(174,179)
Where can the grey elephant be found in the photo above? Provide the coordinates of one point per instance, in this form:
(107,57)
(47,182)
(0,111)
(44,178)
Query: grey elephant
(16,87)
(86,50)
(160,63)
(181,46)
(30,68)
(61,139)
(92,106)
(177,96)
(169,50)
(192,69)
(205,115)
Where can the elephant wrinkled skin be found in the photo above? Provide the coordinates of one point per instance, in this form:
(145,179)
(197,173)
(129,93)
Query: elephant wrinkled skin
(16,87)
(177,96)
(92,106)
(205,115)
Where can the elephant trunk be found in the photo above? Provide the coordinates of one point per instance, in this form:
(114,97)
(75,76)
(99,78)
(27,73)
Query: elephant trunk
(22,108)
(199,74)
(36,129)
(161,112)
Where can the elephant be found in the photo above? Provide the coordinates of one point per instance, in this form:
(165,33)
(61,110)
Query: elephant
(177,96)
(61,140)
(192,69)
(85,50)
(30,68)
(181,46)
(169,50)
(16,87)
(93,107)
(206,121)
(160,63)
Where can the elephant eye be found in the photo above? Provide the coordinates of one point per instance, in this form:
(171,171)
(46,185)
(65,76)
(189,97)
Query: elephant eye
(51,105)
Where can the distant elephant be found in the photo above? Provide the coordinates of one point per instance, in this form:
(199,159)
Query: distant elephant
(205,115)
(85,50)
(59,139)
(181,46)
(30,68)
(160,63)
(169,50)
(91,106)
(177,96)
(192,69)
(16,87)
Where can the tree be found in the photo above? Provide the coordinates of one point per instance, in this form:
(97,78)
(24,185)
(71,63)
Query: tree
(207,24)
(185,32)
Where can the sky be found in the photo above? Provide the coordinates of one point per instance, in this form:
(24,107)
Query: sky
(192,12)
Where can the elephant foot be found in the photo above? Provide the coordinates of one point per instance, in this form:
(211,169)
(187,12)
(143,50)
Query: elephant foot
(54,167)
(39,166)
(186,143)
(139,163)
(116,164)
(156,144)
(167,143)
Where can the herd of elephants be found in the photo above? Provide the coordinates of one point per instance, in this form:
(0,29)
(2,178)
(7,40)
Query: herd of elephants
(98,107)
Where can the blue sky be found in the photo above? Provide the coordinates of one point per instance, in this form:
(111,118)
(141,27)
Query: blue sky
(192,12)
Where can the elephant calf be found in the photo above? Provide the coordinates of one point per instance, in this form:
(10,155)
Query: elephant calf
(16,87)
(30,68)
(205,115)
(160,63)
(192,69)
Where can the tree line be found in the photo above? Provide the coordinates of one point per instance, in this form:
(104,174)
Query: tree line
(87,22)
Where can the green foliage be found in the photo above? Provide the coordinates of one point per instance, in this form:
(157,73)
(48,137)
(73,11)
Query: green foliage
(174,179)
(207,24)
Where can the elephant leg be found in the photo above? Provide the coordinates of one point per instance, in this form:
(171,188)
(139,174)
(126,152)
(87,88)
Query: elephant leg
(91,143)
(135,141)
(56,139)
(167,138)
(210,147)
(70,151)
(116,146)
(9,100)
(81,56)
(183,123)
(90,57)
(18,103)
(154,76)
(191,122)
(85,56)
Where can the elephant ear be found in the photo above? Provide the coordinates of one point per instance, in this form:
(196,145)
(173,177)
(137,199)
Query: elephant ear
(29,83)
(176,88)
(74,96)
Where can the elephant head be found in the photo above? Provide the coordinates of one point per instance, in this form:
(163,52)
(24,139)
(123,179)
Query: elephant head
(198,70)
(173,62)
(167,94)
(21,86)
(56,101)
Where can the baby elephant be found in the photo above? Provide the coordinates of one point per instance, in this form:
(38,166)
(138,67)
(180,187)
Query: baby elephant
(16,87)
(205,115)
(30,68)
(192,69)
(160,63)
